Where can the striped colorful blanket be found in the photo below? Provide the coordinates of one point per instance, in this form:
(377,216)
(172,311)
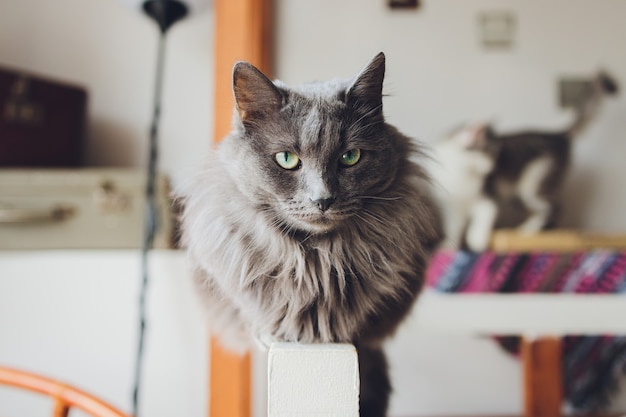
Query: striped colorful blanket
(591,365)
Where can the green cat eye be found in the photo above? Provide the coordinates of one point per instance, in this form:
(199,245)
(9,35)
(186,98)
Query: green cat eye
(288,160)
(351,157)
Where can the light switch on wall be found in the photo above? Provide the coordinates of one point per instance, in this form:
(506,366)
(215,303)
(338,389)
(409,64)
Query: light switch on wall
(497,29)
(572,90)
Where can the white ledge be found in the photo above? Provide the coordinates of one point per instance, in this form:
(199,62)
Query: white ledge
(521,314)
(313,380)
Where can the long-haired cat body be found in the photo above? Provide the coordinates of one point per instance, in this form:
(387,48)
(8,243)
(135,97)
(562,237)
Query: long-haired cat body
(311,223)
(489,180)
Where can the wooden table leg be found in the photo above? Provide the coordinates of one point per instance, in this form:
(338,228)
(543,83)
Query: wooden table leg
(230,385)
(543,388)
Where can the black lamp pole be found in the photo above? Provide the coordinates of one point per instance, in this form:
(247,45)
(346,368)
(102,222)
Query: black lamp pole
(165,13)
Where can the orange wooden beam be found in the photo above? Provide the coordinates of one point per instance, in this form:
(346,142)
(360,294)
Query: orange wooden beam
(230,386)
(243,31)
(543,388)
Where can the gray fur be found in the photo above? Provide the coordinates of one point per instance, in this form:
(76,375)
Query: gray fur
(272,265)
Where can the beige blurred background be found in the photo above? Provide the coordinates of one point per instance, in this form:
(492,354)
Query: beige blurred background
(439,75)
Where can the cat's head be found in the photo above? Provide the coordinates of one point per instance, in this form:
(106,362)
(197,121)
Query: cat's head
(475,147)
(312,156)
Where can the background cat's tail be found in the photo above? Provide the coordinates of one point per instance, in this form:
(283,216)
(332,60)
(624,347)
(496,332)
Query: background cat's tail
(589,105)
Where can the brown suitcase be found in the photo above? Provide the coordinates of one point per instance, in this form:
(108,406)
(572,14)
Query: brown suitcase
(42,122)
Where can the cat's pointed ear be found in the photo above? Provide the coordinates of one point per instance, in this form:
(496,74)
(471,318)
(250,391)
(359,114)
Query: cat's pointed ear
(367,88)
(255,94)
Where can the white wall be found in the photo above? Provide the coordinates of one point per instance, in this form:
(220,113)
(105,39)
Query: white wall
(438,76)
(110,49)
(73,316)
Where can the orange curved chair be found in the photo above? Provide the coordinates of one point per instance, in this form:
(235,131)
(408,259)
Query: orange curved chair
(64,396)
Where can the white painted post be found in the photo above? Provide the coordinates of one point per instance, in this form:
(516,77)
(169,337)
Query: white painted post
(313,380)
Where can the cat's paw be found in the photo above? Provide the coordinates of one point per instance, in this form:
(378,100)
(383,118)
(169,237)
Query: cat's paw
(533,224)
(484,215)
(478,240)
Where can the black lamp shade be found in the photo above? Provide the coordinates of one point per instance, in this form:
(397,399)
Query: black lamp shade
(165,12)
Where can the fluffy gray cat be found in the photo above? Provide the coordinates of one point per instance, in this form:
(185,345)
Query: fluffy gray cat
(310,222)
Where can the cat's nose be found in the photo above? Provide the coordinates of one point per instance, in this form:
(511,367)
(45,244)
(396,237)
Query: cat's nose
(323,203)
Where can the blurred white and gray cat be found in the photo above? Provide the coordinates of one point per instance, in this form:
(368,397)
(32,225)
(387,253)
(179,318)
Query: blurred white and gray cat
(488,180)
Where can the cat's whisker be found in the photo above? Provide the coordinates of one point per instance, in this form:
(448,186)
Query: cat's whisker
(308,236)
(366,220)
(374,216)
(371,197)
